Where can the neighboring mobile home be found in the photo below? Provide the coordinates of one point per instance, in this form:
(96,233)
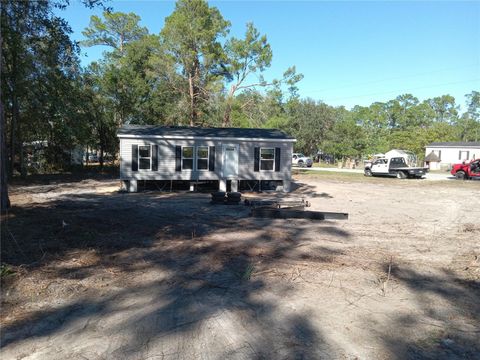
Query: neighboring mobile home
(449,153)
(149,152)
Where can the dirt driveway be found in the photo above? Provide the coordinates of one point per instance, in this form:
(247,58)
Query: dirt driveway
(105,275)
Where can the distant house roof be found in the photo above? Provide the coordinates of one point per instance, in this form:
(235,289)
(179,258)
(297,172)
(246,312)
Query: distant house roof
(454,144)
(432,157)
(396,151)
(183,132)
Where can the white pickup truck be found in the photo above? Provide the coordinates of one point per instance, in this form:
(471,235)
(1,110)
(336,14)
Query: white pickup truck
(395,166)
(301,160)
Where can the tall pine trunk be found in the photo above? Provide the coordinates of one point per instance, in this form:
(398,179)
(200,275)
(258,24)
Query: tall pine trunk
(228,107)
(101,156)
(13,128)
(193,105)
(102,146)
(193,87)
(4,200)
(226,114)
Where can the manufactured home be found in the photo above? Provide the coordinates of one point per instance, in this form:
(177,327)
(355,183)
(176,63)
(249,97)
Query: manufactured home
(227,156)
(450,153)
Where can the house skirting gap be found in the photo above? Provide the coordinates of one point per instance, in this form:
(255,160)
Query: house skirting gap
(205,185)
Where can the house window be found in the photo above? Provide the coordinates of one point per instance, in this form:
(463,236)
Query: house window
(267,158)
(187,158)
(202,158)
(463,155)
(145,157)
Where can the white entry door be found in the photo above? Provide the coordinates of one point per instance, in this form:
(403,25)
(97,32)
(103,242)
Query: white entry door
(230,161)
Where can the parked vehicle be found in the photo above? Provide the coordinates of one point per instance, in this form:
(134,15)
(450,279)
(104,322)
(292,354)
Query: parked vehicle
(395,166)
(466,171)
(93,158)
(370,161)
(301,160)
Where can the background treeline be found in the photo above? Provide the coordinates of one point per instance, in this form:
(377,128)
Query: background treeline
(192,73)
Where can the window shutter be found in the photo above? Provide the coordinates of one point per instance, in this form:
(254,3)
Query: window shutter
(440,155)
(468,155)
(154,157)
(277,159)
(460,155)
(134,157)
(256,159)
(178,158)
(211,159)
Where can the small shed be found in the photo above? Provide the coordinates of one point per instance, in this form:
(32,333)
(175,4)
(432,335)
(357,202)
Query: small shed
(151,153)
(432,160)
(409,156)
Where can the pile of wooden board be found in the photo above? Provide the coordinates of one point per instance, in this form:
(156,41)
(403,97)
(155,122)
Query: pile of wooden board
(289,209)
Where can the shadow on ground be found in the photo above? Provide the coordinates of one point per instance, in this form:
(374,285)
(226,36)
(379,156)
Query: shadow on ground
(177,270)
(308,190)
(452,334)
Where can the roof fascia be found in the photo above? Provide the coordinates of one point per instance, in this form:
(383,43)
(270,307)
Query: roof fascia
(452,146)
(179,137)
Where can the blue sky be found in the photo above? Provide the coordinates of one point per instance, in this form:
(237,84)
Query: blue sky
(351,53)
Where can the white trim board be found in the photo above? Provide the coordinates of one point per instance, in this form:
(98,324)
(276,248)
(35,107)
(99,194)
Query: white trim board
(202,138)
(453,146)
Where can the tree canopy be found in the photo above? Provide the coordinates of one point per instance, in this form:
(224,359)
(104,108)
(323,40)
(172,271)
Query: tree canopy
(191,73)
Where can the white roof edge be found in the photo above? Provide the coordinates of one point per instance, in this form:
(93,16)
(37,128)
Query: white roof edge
(452,146)
(178,137)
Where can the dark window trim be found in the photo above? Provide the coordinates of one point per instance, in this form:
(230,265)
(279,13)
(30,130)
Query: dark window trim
(154,157)
(277,159)
(135,157)
(211,162)
(178,158)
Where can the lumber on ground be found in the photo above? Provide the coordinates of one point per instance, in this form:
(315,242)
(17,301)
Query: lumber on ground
(265,212)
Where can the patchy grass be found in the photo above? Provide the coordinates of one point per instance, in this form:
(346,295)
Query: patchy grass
(5,271)
(323,165)
(340,176)
(325,174)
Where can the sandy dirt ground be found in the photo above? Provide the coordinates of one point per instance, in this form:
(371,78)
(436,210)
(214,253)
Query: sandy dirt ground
(100,274)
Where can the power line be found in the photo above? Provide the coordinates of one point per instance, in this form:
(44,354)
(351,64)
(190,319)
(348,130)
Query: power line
(389,79)
(404,91)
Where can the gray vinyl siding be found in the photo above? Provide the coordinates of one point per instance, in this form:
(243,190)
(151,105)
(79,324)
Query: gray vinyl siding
(166,160)
(246,161)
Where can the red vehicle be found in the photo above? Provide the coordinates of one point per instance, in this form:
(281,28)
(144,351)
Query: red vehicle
(467,171)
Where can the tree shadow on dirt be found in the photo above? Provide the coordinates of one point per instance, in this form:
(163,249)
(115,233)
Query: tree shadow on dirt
(187,273)
(450,308)
(308,190)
